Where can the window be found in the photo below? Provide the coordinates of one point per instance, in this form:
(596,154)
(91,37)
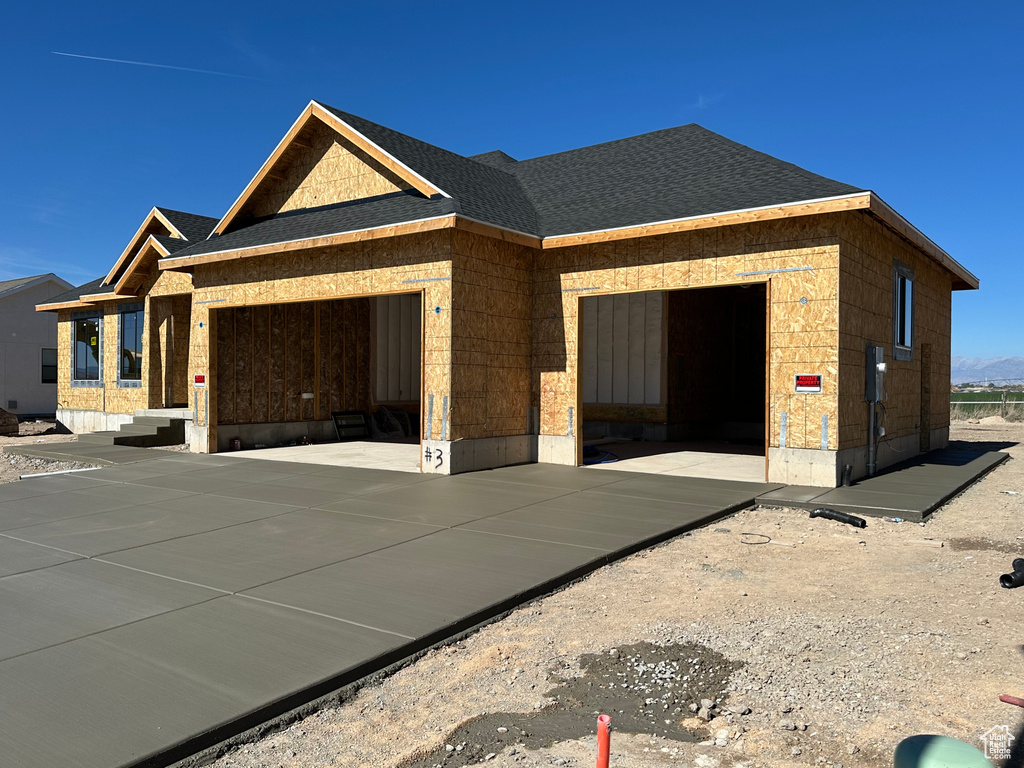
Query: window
(49,366)
(903,313)
(131,345)
(86,349)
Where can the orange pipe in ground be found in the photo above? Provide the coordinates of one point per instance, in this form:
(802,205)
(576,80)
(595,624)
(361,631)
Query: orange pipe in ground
(603,740)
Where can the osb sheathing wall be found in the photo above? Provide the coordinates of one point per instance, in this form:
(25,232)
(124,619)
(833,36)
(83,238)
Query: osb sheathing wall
(320,167)
(804,335)
(412,263)
(867,281)
(267,356)
(108,397)
(490,341)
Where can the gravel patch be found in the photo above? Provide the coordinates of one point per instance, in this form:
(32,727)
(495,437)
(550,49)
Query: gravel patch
(13,466)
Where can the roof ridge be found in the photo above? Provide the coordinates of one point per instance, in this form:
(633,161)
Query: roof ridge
(613,141)
(778,161)
(165,209)
(340,112)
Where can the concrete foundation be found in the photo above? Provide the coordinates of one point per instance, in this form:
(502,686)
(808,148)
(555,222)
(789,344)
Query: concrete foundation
(264,435)
(82,421)
(824,469)
(556,449)
(446,457)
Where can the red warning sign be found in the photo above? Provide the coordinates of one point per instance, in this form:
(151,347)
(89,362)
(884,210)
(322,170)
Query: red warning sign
(199,380)
(808,383)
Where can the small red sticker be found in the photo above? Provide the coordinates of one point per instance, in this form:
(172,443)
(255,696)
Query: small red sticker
(199,380)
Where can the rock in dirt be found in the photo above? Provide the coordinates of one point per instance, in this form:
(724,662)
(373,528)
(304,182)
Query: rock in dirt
(8,423)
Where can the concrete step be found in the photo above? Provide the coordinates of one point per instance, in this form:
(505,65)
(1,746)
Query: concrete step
(98,438)
(152,432)
(166,413)
(137,429)
(153,421)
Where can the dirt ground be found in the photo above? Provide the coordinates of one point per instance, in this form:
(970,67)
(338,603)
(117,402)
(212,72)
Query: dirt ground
(826,652)
(12,467)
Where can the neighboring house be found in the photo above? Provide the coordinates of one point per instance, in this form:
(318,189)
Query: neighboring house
(28,345)
(669,286)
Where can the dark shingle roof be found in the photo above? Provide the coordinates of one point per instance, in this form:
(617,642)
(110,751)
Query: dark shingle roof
(497,158)
(328,220)
(480,191)
(671,174)
(173,244)
(75,293)
(191,225)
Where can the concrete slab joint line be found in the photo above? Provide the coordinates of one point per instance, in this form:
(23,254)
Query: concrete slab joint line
(824,431)
(783,417)
(444,417)
(422,561)
(430,416)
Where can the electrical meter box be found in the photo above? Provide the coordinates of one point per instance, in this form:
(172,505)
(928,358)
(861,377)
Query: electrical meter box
(874,389)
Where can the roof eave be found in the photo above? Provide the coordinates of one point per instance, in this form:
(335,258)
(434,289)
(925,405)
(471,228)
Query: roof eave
(964,279)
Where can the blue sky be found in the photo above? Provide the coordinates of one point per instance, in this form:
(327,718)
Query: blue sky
(921,102)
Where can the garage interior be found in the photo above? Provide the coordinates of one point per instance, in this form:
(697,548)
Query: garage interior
(284,370)
(674,382)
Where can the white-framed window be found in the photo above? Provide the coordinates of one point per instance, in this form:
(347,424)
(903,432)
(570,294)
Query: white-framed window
(903,312)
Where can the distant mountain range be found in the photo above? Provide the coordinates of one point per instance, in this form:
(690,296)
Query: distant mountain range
(995,369)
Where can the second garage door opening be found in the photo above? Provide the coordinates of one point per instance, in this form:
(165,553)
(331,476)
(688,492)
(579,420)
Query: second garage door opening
(674,382)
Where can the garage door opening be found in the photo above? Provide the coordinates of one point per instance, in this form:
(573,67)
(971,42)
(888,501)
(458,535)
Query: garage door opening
(328,382)
(674,382)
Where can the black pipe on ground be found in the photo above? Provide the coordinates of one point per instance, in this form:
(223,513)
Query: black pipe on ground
(840,517)
(1011,580)
(1015,578)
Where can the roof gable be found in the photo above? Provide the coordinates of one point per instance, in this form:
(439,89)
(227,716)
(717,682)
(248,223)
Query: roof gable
(162,222)
(298,185)
(318,167)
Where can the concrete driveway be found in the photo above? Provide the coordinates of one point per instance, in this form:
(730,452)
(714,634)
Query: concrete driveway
(152,609)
